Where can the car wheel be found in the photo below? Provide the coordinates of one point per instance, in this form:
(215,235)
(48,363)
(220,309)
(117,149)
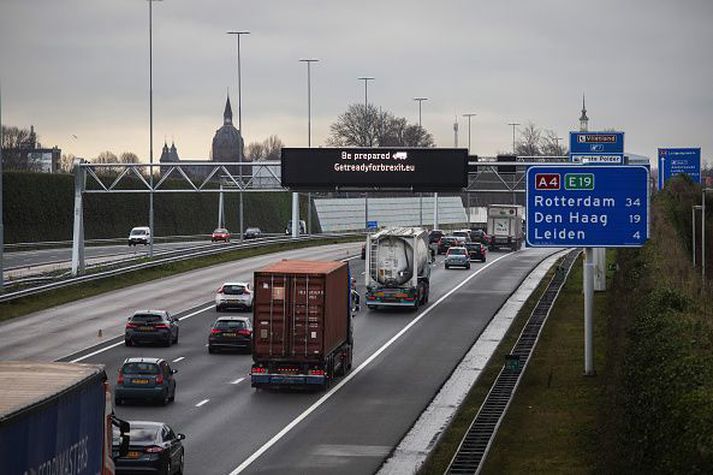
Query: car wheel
(127,342)
(175,340)
(118,402)
(169,469)
(165,399)
(447,266)
(168,341)
(218,308)
(180,465)
(173,394)
(467,266)
(211,350)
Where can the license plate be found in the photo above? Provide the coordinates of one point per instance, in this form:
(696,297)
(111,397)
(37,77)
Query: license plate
(140,381)
(146,329)
(133,454)
(228,334)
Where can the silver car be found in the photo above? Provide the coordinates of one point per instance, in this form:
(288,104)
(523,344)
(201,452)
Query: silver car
(457,256)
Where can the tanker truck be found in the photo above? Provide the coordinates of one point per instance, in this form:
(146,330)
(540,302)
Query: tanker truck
(398,268)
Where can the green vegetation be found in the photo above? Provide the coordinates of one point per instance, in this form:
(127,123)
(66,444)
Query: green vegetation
(40,207)
(650,407)
(53,298)
(441,456)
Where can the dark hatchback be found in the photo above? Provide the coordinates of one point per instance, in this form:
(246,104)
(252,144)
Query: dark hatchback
(145,379)
(447,241)
(435,235)
(151,326)
(153,448)
(253,233)
(231,333)
(476,251)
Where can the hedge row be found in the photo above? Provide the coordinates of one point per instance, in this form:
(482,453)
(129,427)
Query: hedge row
(665,414)
(39,207)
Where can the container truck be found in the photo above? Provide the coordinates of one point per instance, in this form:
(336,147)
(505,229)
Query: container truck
(398,268)
(505,226)
(302,335)
(56,418)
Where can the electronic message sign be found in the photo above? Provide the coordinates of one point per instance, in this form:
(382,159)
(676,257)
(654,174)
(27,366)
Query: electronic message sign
(673,161)
(587,206)
(413,169)
(597,148)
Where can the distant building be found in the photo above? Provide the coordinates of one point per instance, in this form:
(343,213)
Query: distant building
(228,145)
(30,156)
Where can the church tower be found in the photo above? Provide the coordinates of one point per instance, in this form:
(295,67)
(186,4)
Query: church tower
(228,143)
(583,119)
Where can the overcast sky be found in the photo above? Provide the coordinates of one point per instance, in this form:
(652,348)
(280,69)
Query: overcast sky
(80,68)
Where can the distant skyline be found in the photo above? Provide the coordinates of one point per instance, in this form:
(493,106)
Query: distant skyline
(78,70)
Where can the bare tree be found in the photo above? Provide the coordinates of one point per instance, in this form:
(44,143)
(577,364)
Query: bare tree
(530,141)
(17,145)
(367,126)
(268,149)
(129,157)
(14,137)
(66,163)
(550,144)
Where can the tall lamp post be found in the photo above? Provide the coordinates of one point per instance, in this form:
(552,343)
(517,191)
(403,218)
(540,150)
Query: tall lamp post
(469,115)
(237,35)
(2,227)
(151,217)
(420,195)
(366,80)
(309,62)
(514,125)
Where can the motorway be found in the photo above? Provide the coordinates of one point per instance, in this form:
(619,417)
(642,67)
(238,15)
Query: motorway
(401,360)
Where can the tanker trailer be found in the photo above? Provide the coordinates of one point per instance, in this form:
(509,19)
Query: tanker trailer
(397,268)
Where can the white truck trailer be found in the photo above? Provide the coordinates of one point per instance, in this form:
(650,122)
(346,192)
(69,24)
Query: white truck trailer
(398,270)
(505,226)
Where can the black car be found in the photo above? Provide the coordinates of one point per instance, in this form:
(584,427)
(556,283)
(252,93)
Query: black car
(145,379)
(231,333)
(479,235)
(435,235)
(153,448)
(253,233)
(448,241)
(151,326)
(476,251)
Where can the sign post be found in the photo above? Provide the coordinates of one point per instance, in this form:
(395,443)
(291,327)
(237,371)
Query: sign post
(588,207)
(674,161)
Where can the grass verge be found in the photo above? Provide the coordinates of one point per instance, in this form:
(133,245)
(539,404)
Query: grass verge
(441,455)
(34,303)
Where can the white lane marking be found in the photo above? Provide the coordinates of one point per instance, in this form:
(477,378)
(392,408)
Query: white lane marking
(356,371)
(363,273)
(179,359)
(237,380)
(114,345)
(204,401)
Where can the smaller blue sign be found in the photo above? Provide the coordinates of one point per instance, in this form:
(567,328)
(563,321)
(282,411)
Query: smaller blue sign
(596,143)
(587,206)
(675,161)
(372,224)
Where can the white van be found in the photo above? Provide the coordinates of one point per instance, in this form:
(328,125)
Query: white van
(140,235)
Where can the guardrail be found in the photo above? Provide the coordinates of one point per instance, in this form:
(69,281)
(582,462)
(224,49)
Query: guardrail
(182,255)
(18,246)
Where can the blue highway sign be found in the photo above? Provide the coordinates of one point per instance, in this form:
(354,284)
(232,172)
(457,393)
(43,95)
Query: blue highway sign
(587,206)
(372,224)
(673,161)
(603,148)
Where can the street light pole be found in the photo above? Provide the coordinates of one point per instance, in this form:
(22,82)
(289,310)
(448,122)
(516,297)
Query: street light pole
(366,80)
(309,133)
(693,231)
(420,195)
(2,226)
(238,34)
(469,115)
(151,213)
(513,124)
(419,100)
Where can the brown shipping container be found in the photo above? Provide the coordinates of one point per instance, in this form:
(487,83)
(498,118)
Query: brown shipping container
(300,310)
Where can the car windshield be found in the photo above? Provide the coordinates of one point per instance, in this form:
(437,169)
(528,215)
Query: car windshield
(233,289)
(138,435)
(136,232)
(472,245)
(456,251)
(220,231)
(140,368)
(230,325)
(252,230)
(146,318)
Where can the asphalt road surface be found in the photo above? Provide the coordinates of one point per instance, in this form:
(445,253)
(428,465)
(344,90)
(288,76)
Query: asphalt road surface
(401,360)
